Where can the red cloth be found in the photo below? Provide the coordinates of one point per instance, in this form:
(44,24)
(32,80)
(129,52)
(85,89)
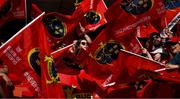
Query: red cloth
(50,81)
(67,26)
(174,39)
(126,68)
(168,16)
(17,11)
(121,92)
(157,90)
(20,54)
(88,21)
(3,3)
(145,30)
(69,63)
(124,20)
(35,11)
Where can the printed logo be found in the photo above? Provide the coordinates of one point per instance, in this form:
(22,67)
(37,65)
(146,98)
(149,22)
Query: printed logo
(136,7)
(108,52)
(71,92)
(56,27)
(51,70)
(92,17)
(33,60)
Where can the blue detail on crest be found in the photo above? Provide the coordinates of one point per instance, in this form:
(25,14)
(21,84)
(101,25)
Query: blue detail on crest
(92,17)
(136,7)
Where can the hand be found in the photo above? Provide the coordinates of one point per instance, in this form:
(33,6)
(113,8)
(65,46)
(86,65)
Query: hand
(144,51)
(171,66)
(8,81)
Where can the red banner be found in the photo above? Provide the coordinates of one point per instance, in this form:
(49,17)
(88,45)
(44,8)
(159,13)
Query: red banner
(14,9)
(21,55)
(145,29)
(126,15)
(60,29)
(35,11)
(168,16)
(50,81)
(126,67)
(93,17)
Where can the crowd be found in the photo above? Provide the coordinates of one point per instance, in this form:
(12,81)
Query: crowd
(163,47)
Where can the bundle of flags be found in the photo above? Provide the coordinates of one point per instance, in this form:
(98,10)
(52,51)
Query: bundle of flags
(39,56)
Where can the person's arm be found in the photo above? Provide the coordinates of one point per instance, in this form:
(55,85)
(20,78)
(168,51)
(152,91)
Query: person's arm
(6,78)
(172,66)
(147,53)
(4,70)
(88,39)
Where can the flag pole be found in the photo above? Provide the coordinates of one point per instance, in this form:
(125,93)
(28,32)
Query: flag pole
(139,43)
(61,49)
(23,29)
(141,56)
(91,4)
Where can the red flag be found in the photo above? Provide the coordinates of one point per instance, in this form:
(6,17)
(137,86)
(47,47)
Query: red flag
(66,61)
(60,29)
(50,81)
(35,11)
(126,15)
(61,51)
(20,54)
(70,63)
(168,16)
(93,17)
(145,30)
(123,91)
(156,89)
(126,67)
(14,9)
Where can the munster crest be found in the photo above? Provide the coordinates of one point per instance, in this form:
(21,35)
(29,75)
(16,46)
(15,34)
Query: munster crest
(56,27)
(108,52)
(136,7)
(52,73)
(33,60)
(92,17)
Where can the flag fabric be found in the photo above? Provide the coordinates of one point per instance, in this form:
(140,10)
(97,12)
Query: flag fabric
(126,67)
(20,54)
(155,89)
(145,29)
(61,51)
(50,81)
(93,16)
(124,91)
(168,16)
(126,15)
(105,49)
(14,9)
(70,63)
(60,29)
(35,11)
(66,61)
(135,9)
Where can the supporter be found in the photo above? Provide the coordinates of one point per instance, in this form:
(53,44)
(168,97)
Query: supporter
(145,53)
(157,49)
(4,77)
(3,72)
(167,33)
(80,44)
(175,48)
